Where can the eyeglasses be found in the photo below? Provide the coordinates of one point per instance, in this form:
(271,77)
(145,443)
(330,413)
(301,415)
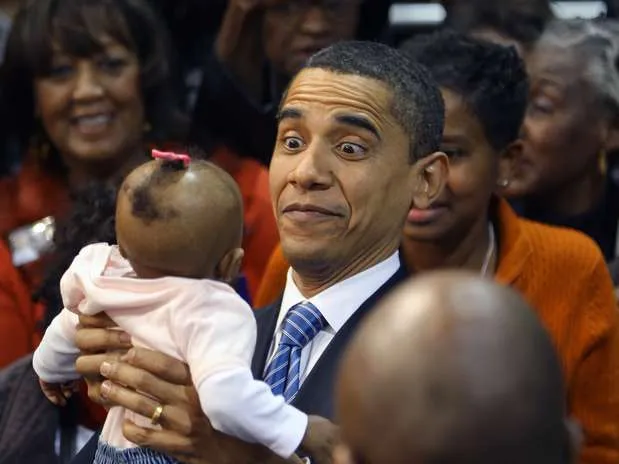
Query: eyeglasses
(295,7)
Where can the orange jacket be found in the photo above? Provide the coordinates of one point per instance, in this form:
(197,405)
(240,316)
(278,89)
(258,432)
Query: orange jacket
(563,275)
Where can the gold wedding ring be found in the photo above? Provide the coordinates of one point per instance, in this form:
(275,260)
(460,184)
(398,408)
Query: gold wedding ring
(156,417)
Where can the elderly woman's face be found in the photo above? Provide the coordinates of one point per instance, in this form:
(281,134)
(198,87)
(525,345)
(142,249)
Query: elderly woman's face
(565,127)
(91,108)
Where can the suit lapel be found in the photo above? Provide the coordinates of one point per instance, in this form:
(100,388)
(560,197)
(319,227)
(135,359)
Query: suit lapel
(316,393)
(266,320)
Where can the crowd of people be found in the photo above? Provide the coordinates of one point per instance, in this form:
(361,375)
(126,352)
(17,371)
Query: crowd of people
(346,249)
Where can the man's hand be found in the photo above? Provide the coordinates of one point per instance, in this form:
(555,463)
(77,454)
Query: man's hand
(185,434)
(99,341)
(320,440)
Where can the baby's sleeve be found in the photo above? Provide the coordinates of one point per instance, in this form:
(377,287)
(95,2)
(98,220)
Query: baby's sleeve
(54,359)
(239,405)
(71,289)
(218,340)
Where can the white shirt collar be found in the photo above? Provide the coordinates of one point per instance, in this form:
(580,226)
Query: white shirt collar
(340,301)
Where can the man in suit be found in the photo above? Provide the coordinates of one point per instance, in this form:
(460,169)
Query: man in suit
(358,135)
(452,368)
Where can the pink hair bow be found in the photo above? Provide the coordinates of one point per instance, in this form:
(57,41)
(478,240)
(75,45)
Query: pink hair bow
(169,156)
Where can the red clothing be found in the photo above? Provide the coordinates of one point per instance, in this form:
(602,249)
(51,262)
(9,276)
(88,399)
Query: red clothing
(18,325)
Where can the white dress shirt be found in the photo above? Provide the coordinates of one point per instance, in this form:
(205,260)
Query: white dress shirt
(337,304)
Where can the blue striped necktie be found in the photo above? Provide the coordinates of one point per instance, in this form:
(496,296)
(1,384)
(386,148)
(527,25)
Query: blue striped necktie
(300,326)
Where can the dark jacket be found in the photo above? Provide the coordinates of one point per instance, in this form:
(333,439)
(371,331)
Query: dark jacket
(29,422)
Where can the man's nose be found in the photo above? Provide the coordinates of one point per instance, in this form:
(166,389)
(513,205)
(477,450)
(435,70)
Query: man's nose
(314,170)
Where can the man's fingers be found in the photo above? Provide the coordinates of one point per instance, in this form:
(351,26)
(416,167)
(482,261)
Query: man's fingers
(129,399)
(101,340)
(171,417)
(143,381)
(94,393)
(164,367)
(89,365)
(100,321)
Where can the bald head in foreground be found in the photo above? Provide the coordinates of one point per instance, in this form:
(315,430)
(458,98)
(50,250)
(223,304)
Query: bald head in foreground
(452,369)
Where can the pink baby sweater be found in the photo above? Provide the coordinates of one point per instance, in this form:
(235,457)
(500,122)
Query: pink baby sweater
(201,322)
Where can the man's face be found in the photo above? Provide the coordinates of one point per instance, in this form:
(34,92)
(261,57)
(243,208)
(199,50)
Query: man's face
(341,180)
(296,29)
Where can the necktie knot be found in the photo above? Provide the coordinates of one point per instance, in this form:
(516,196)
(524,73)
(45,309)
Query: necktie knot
(302,323)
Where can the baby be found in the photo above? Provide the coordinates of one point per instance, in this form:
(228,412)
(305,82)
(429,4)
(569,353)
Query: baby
(179,230)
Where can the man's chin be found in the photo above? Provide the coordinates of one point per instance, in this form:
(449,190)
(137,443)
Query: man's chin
(306,255)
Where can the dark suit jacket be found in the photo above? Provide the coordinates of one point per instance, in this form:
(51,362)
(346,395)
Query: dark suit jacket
(29,422)
(316,394)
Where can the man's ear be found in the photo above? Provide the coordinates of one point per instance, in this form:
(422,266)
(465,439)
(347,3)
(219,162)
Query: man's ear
(229,267)
(431,177)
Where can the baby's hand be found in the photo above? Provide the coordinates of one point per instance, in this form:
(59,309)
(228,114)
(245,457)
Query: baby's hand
(59,393)
(320,440)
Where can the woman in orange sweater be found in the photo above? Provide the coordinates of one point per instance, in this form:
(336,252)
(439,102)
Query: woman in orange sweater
(562,273)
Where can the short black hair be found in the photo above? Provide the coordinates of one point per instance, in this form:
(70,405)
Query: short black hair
(490,78)
(417,102)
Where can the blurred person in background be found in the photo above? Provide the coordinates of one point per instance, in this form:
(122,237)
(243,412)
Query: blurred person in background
(517,23)
(259,46)
(192,26)
(571,126)
(9,161)
(85,91)
(8,9)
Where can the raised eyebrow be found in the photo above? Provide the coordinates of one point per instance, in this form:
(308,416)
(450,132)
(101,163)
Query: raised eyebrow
(360,122)
(288,113)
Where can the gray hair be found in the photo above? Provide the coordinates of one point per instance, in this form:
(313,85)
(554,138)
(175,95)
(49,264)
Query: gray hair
(597,42)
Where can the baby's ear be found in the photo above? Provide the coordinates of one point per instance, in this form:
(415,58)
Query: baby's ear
(229,267)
